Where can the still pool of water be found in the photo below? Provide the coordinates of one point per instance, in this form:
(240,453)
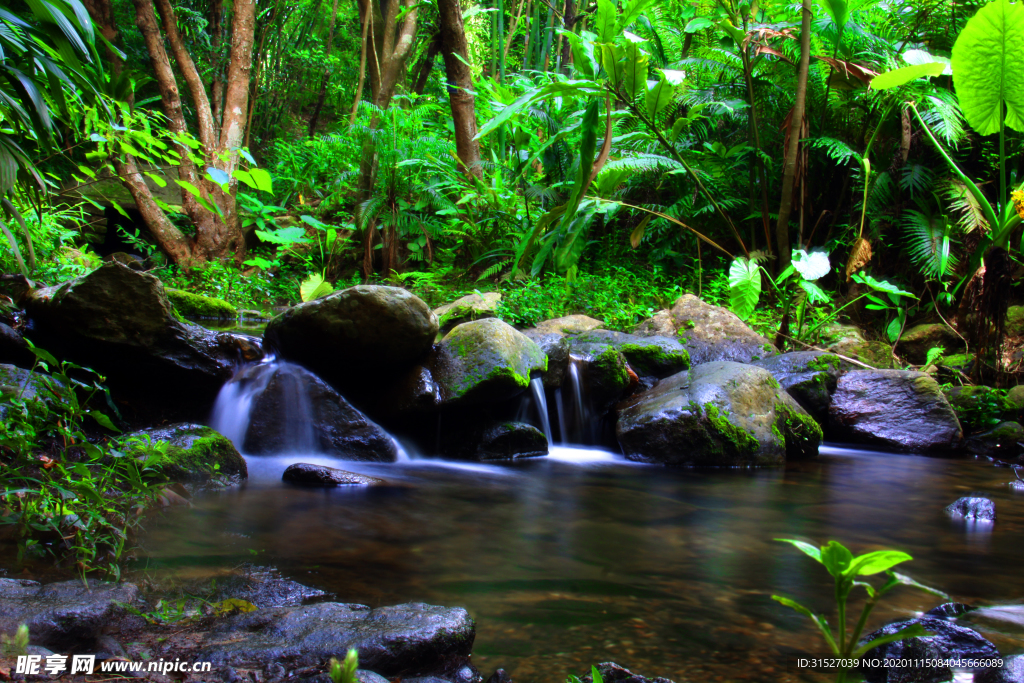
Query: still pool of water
(583,557)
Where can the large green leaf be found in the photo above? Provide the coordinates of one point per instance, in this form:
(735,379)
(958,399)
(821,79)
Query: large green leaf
(876,562)
(906,74)
(634,75)
(988,67)
(837,10)
(659,97)
(605,25)
(744,287)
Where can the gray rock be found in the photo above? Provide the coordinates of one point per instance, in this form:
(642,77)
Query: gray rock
(709,333)
(510,441)
(119,322)
(304,474)
(948,641)
(499,676)
(720,414)
(390,640)
(949,610)
(570,324)
(652,356)
(190,454)
(1005,440)
(356,333)
(63,615)
(27,385)
(14,348)
(298,410)
(556,347)
(364,676)
(484,361)
(468,308)
(264,587)
(810,377)
(613,673)
(919,339)
(1012,671)
(973,507)
(899,409)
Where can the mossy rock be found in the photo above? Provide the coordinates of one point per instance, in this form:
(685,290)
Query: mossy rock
(978,408)
(570,324)
(190,454)
(557,348)
(506,441)
(875,354)
(653,356)
(485,360)
(1002,441)
(719,414)
(810,377)
(468,308)
(919,339)
(1015,321)
(606,378)
(198,306)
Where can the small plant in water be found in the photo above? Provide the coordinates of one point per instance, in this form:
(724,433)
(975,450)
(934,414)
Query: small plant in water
(345,672)
(845,570)
(16,645)
(594,673)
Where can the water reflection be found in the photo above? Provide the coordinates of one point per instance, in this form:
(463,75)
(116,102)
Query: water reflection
(583,557)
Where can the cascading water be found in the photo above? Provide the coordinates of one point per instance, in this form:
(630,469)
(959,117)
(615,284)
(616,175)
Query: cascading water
(537,387)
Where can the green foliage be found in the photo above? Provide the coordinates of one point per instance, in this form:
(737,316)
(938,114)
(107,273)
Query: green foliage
(344,671)
(16,645)
(744,287)
(847,571)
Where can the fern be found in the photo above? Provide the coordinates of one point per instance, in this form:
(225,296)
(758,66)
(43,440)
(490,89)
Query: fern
(928,243)
(963,204)
(915,178)
(494,269)
(837,150)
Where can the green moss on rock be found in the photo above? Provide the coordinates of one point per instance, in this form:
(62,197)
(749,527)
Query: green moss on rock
(742,442)
(487,360)
(193,305)
(652,359)
(189,453)
(980,407)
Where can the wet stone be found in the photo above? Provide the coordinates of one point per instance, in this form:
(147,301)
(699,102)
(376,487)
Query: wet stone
(948,641)
(305,474)
(973,508)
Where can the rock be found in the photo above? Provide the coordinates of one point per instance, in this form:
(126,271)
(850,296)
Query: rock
(125,259)
(485,360)
(190,454)
(364,676)
(298,412)
(26,384)
(605,377)
(244,348)
(63,615)
(354,334)
(978,407)
(613,673)
(810,377)
(14,348)
(875,354)
(949,610)
(304,474)
(709,333)
(264,587)
(510,441)
(1015,399)
(973,508)
(499,676)
(720,414)
(198,306)
(1014,326)
(652,356)
(570,324)
(119,322)
(900,409)
(470,307)
(404,639)
(1005,441)
(556,347)
(915,342)
(1012,671)
(949,641)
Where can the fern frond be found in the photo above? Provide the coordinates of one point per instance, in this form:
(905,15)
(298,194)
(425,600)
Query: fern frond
(928,243)
(964,206)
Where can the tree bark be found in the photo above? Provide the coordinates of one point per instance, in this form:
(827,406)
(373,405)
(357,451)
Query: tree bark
(568,21)
(426,65)
(460,85)
(102,14)
(327,73)
(783,246)
(170,239)
(217,82)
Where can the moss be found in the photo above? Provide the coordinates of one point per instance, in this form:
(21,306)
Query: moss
(978,408)
(741,441)
(198,306)
(802,434)
(609,369)
(649,359)
(825,363)
(772,382)
(189,453)
(768,348)
(490,355)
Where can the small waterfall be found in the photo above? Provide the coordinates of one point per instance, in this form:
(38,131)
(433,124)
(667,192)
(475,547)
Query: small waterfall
(541,401)
(563,436)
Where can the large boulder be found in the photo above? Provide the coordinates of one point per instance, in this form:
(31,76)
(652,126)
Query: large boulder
(296,411)
(709,333)
(355,334)
(948,640)
(653,356)
(190,454)
(119,322)
(899,409)
(919,339)
(570,324)
(13,347)
(720,414)
(809,376)
(470,307)
(485,360)
(63,615)
(1012,671)
(404,639)
(557,348)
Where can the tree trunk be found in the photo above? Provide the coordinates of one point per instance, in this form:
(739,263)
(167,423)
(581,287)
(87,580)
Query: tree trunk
(426,65)
(568,21)
(460,85)
(170,239)
(782,240)
(217,83)
(327,73)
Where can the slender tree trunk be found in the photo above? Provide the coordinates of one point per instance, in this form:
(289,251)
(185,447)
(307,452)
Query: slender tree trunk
(568,21)
(327,73)
(460,85)
(102,14)
(170,239)
(783,246)
(362,68)
(421,74)
(217,82)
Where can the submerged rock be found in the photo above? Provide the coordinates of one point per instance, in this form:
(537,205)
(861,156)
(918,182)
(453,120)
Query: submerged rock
(65,615)
(973,508)
(810,377)
(948,610)
(305,474)
(709,333)
(119,322)
(652,356)
(570,324)
(613,673)
(297,410)
(356,333)
(485,360)
(264,587)
(900,409)
(190,454)
(404,639)
(1006,440)
(720,414)
(510,441)
(948,641)
(468,308)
